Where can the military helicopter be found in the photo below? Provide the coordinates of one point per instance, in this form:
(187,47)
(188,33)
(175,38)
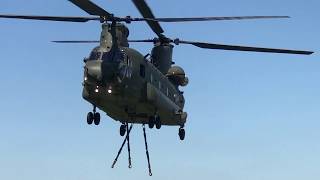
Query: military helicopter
(131,87)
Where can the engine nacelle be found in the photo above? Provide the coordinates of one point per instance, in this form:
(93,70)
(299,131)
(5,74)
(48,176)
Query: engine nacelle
(177,76)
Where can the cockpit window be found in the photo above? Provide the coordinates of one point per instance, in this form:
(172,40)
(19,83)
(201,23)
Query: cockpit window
(117,56)
(106,56)
(95,55)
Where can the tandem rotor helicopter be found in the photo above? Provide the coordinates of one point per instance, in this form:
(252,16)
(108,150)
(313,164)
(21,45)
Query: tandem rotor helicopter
(131,87)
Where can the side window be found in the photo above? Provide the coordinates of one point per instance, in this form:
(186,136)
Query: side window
(176,98)
(151,78)
(128,63)
(142,70)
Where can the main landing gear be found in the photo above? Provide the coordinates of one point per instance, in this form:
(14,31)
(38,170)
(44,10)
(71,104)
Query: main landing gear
(93,117)
(123,129)
(154,121)
(182,133)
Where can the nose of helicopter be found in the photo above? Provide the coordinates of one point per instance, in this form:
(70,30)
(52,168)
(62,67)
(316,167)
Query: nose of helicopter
(93,69)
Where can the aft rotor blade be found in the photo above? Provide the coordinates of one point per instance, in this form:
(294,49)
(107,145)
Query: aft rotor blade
(50,18)
(146,12)
(75,41)
(244,48)
(190,19)
(91,8)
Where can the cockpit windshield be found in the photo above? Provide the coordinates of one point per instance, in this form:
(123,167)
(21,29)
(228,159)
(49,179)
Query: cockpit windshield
(95,55)
(110,56)
(113,56)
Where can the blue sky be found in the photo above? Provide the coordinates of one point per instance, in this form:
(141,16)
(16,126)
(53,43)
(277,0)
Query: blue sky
(252,116)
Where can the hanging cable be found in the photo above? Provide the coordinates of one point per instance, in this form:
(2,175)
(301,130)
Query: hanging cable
(120,150)
(128,142)
(147,152)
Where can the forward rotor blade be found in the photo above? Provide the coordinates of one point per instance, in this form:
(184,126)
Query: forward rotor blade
(75,42)
(244,48)
(146,40)
(91,8)
(146,12)
(50,18)
(90,41)
(214,18)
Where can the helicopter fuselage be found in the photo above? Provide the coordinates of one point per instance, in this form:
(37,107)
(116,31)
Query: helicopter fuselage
(130,89)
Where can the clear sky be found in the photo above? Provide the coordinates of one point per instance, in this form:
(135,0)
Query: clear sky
(252,116)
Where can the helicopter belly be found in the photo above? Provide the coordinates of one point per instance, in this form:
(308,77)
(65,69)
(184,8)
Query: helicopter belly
(128,108)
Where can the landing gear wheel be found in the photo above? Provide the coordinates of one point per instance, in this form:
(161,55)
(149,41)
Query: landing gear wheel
(123,130)
(182,134)
(157,121)
(97,118)
(89,118)
(151,122)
